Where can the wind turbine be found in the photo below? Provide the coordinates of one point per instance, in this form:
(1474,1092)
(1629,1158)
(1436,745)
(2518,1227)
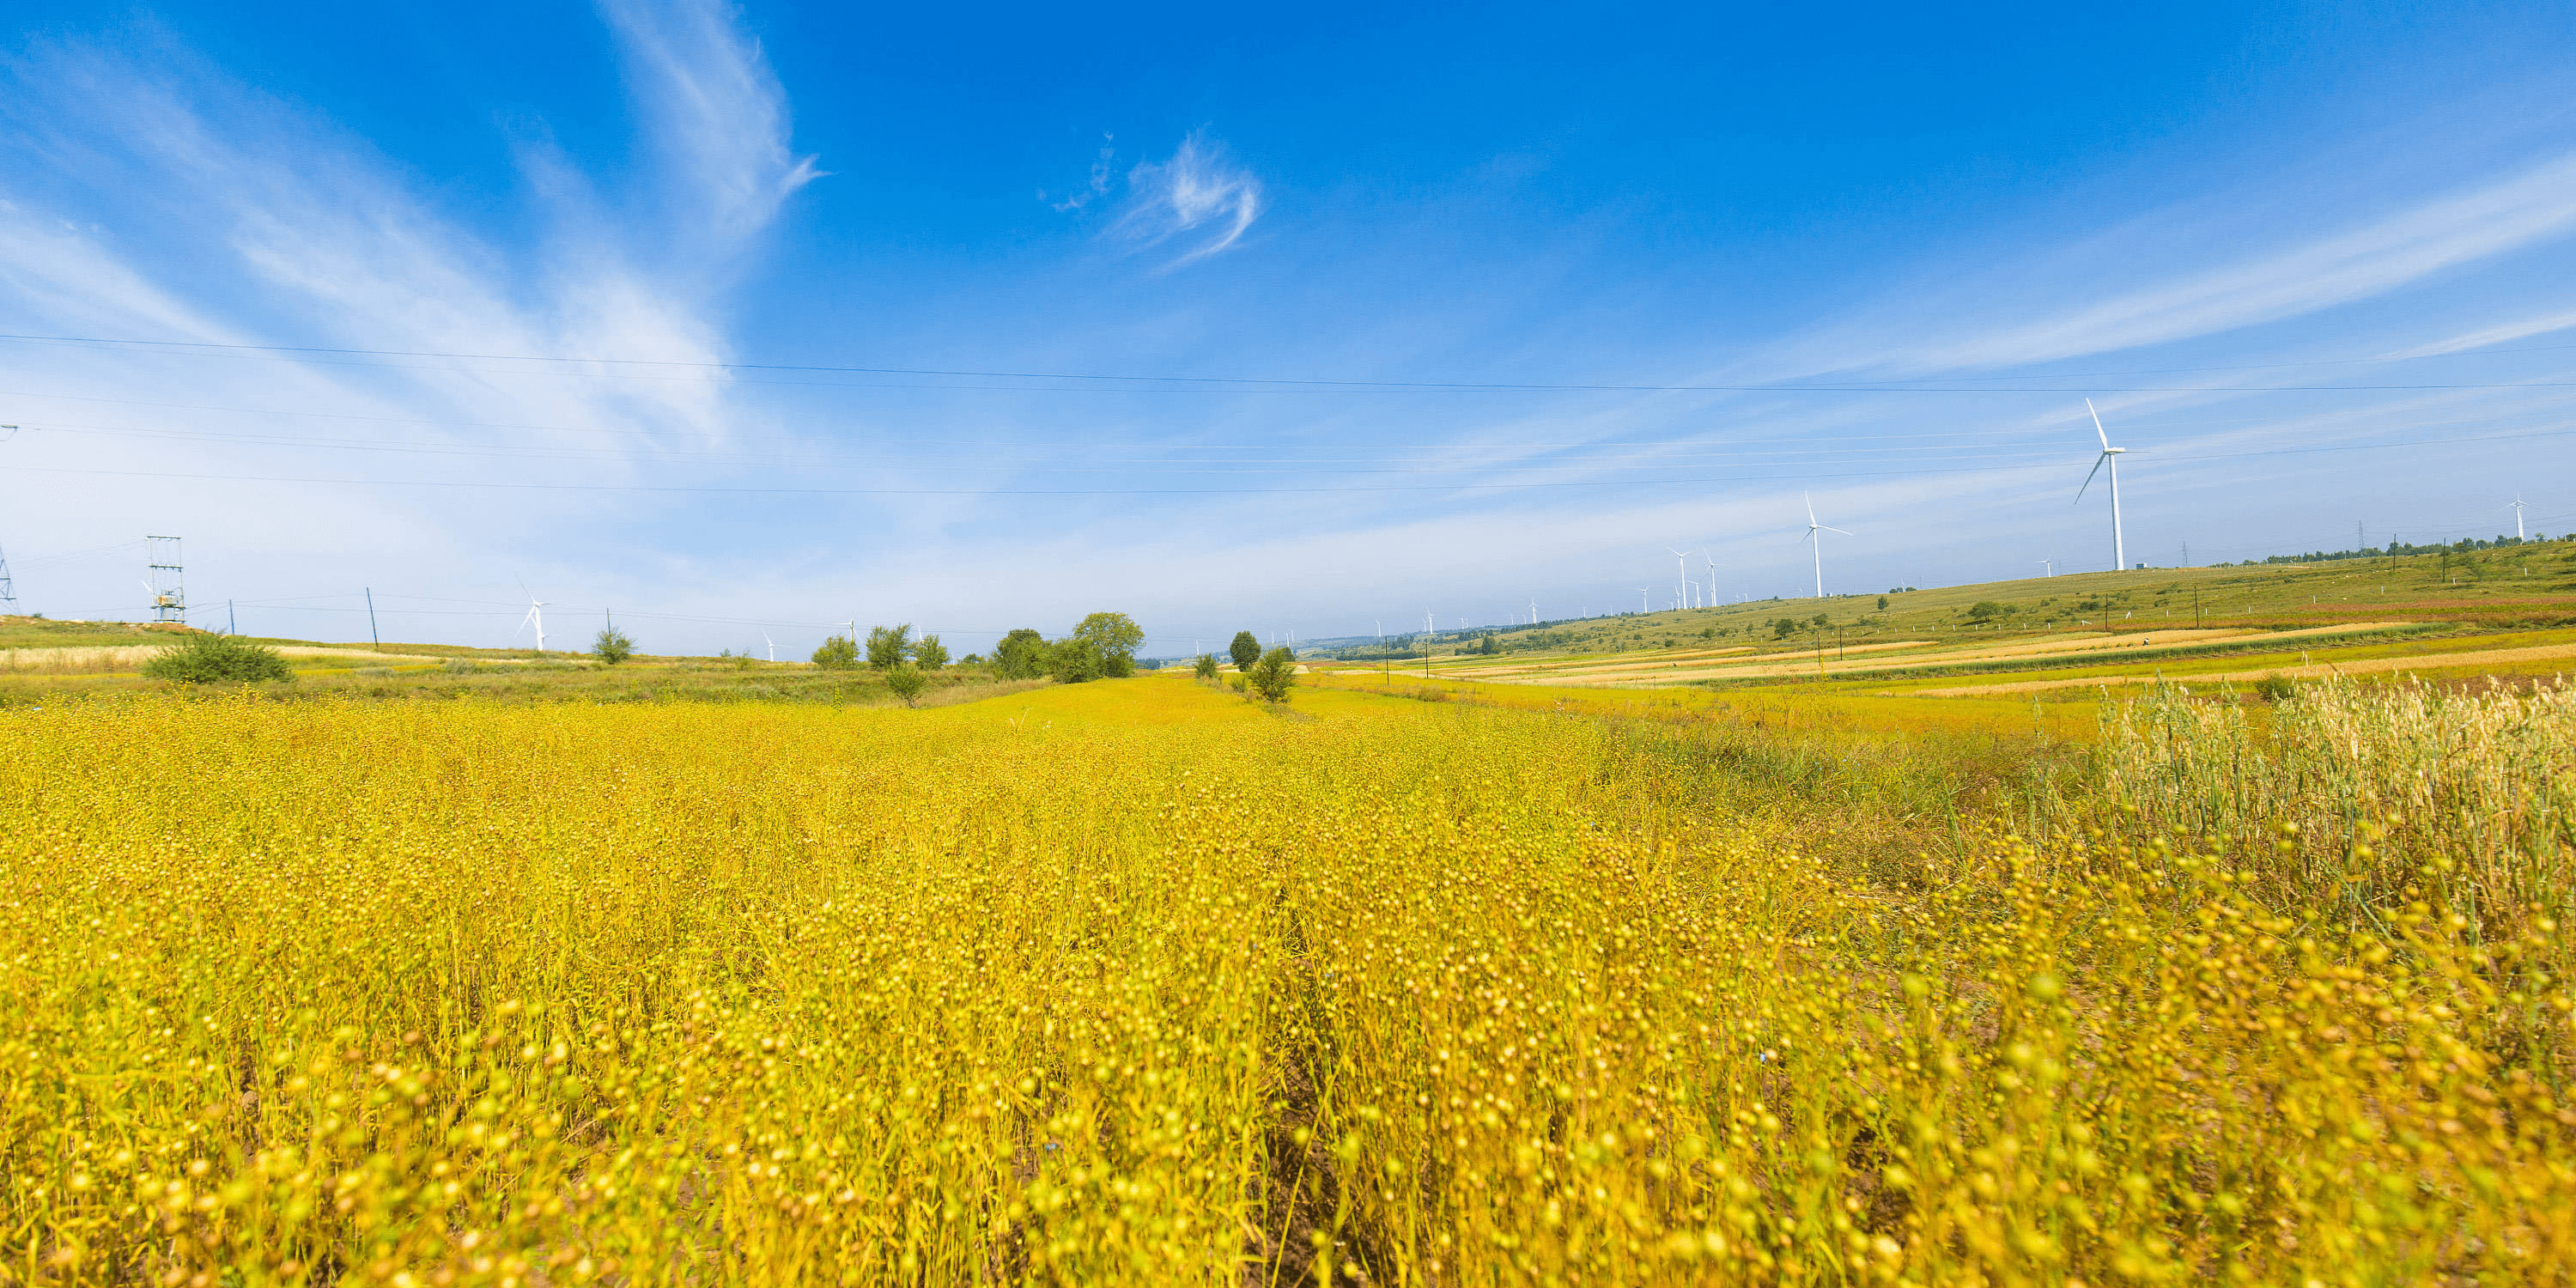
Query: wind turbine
(1818,542)
(2047,569)
(1681,573)
(1641,599)
(1533,612)
(536,614)
(773,645)
(2517,516)
(2110,456)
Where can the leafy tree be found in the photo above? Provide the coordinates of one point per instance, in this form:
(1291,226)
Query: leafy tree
(1022,655)
(1245,651)
(929,654)
(906,681)
(1074,660)
(1783,627)
(217,659)
(1205,667)
(889,645)
(1274,674)
(1117,636)
(837,654)
(612,646)
(1986,610)
(1118,666)
(1882,603)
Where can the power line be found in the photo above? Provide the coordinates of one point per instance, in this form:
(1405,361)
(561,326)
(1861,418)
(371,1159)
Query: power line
(1259,384)
(1265,491)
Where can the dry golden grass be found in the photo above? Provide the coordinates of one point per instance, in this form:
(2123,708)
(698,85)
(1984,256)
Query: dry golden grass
(1140,982)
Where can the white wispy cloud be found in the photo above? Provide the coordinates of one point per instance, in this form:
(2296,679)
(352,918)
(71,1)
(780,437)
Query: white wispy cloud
(1200,199)
(717,111)
(2519,329)
(2325,269)
(145,194)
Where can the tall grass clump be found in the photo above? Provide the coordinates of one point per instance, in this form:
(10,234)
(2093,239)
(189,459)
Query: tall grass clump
(2382,786)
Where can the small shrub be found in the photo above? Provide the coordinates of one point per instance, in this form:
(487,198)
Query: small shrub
(612,646)
(1074,660)
(906,681)
(217,659)
(2274,688)
(837,654)
(1205,667)
(1274,674)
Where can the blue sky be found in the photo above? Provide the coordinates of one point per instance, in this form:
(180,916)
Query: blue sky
(743,322)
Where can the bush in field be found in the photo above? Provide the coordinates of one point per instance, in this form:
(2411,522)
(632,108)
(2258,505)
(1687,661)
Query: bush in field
(888,646)
(1274,674)
(613,646)
(1075,661)
(217,659)
(1021,655)
(1117,636)
(1245,651)
(906,682)
(929,654)
(1205,666)
(837,654)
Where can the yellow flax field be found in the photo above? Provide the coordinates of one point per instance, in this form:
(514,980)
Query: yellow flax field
(1134,982)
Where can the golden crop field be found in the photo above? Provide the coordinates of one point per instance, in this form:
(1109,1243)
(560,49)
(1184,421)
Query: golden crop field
(1139,982)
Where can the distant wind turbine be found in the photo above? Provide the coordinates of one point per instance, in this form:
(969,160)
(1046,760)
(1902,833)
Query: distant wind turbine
(2047,569)
(2110,456)
(1813,529)
(536,615)
(773,645)
(1641,599)
(2517,516)
(1681,575)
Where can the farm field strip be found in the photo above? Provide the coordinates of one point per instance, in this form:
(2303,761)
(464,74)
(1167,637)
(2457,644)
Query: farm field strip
(2514,659)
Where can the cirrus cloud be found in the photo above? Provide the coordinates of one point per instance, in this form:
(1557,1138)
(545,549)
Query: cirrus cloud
(1201,199)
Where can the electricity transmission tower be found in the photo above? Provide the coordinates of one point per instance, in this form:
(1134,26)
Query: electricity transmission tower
(168,582)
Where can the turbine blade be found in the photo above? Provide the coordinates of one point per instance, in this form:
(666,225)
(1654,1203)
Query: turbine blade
(2097,425)
(1831,528)
(1811,508)
(2088,479)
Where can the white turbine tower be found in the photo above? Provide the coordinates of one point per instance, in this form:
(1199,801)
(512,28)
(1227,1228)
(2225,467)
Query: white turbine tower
(1813,529)
(2517,516)
(1641,599)
(1533,612)
(773,645)
(536,615)
(1681,575)
(2047,569)
(2110,456)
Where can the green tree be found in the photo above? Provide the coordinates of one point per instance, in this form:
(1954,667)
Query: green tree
(217,659)
(1882,603)
(906,681)
(1987,610)
(1117,636)
(1274,674)
(1205,667)
(888,646)
(1245,651)
(929,654)
(612,646)
(1021,655)
(837,654)
(1074,660)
